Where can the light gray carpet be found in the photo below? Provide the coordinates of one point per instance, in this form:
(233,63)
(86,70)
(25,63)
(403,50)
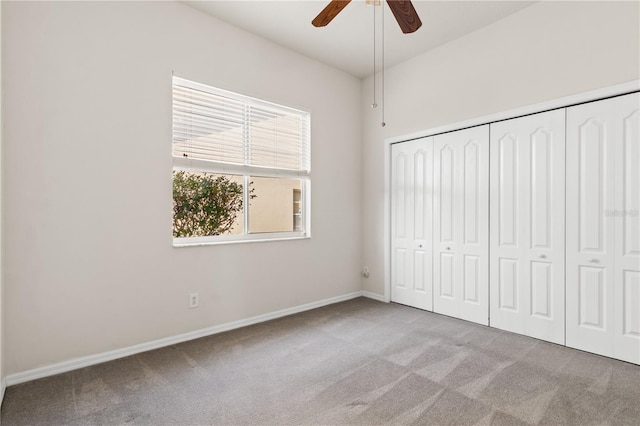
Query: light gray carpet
(357,362)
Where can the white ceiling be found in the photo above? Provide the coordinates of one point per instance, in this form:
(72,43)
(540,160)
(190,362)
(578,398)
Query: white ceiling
(347,42)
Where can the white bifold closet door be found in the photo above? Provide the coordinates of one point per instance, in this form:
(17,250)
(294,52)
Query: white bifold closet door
(411,219)
(527,225)
(461,224)
(603,227)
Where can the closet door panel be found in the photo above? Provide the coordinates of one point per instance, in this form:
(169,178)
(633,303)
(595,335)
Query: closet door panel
(628,179)
(422,157)
(447,292)
(411,204)
(630,297)
(475,225)
(402,219)
(471,171)
(590,269)
(506,166)
(471,279)
(544,216)
(507,287)
(595,189)
(590,234)
(461,224)
(542,287)
(445,210)
(542,179)
(602,300)
(527,223)
(627,232)
(506,247)
(445,171)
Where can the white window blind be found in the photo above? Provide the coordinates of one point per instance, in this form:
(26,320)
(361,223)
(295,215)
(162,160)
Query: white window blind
(219,126)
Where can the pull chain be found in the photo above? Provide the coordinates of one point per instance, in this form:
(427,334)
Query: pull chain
(374,104)
(382,95)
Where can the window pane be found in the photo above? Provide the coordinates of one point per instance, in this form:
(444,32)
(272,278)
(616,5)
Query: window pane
(275,205)
(277,141)
(206,204)
(216,125)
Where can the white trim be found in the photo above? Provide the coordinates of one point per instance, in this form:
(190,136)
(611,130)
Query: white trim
(567,101)
(387,222)
(86,361)
(239,238)
(593,95)
(199,165)
(3,388)
(306,207)
(374,296)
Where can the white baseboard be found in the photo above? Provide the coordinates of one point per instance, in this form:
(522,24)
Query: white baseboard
(374,296)
(3,387)
(74,364)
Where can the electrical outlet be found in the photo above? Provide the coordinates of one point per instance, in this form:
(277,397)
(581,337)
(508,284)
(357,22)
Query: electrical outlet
(193,300)
(365,272)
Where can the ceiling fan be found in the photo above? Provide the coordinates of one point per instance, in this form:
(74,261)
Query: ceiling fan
(403,11)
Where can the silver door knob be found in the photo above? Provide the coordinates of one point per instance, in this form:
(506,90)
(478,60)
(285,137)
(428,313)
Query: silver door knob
(594,261)
(543,256)
(420,245)
(448,248)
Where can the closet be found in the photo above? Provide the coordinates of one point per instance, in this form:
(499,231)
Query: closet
(530,225)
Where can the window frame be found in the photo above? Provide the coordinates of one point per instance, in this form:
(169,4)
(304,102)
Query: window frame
(247,172)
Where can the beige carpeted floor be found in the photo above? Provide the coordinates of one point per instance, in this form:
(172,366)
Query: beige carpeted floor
(357,362)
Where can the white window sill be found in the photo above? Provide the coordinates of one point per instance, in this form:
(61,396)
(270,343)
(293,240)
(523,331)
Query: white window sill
(177,243)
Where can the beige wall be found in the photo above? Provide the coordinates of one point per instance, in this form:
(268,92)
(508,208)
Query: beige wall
(544,52)
(90,265)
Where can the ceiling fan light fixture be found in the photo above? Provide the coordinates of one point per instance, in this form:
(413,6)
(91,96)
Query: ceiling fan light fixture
(403,11)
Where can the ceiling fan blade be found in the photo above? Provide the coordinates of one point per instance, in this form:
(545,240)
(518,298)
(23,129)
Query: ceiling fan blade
(405,14)
(329,12)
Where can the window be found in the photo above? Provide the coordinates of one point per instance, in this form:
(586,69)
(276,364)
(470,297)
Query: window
(241,167)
